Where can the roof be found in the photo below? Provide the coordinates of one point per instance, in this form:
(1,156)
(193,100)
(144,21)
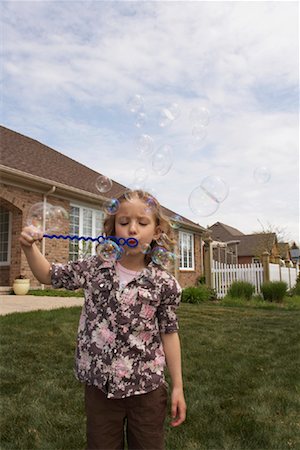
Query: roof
(283,250)
(255,244)
(34,158)
(222,232)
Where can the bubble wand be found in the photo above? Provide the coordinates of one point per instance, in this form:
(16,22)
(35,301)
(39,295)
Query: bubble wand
(130,242)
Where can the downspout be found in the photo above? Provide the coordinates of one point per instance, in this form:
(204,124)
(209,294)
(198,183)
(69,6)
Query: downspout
(51,191)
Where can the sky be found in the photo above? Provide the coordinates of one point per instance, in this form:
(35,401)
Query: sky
(214,84)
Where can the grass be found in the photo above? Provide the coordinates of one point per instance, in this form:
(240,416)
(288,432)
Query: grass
(241,373)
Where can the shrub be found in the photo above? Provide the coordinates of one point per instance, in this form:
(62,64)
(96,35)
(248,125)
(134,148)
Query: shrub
(241,289)
(197,294)
(274,291)
(296,289)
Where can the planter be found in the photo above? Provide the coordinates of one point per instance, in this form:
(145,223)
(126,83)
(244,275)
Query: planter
(21,286)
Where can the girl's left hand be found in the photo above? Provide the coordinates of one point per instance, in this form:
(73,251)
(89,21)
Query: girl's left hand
(178,407)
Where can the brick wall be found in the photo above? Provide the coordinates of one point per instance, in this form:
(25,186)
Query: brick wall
(19,201)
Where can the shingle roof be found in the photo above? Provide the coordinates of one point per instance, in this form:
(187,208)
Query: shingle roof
(256,244)
(32,157)
(222,232)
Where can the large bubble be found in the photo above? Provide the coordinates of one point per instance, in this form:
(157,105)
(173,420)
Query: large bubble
(109,251)
(205,199)
(47,218)
(163,257)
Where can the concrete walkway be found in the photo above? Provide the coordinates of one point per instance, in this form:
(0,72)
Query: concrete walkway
(22,303)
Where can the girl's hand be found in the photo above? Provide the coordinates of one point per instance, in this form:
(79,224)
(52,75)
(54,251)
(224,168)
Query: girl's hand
(29,235)
(178,407)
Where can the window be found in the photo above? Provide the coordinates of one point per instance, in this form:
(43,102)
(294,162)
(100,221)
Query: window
(186,248)
(84,222)
(5,225)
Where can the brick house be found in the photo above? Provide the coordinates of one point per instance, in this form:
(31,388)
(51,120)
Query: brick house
(31,172)
(242,248)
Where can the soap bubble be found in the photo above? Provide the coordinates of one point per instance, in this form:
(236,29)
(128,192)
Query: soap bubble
(109,251)
(140,176)
(103,184)
(202,204)
(35,216)
(262,175)
(135,103)
(162,160)
(168,115)
(199,116)
(146,249)
(140,119)
(216,188)
(59,218)
(111,206)
(175,221)
(144,145)
(151,204)
(205,199)
(199,133)
(163,257)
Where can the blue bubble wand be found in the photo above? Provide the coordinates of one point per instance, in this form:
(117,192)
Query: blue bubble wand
(130,242)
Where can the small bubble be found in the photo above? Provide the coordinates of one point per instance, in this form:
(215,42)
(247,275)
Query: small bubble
(144,145)
(262,175)
(168,115)
(146,249)
(140,119)
(135,103)
(162,160)
(199,116)
(175,221)
(103,184)
(111,206)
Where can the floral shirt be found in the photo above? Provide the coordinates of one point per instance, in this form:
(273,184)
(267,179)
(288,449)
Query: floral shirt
(119,348)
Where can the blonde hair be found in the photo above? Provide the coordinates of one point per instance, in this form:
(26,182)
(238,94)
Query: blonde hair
(166,239)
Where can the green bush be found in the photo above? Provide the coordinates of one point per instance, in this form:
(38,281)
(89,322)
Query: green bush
(274,291)
(197,294)
(241,289)
(296,289)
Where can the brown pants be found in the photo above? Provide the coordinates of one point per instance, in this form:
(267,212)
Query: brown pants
(142,416)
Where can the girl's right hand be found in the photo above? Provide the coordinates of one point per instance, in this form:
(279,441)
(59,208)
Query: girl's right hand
(29,235)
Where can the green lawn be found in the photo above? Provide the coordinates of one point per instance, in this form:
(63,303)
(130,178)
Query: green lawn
(241,372)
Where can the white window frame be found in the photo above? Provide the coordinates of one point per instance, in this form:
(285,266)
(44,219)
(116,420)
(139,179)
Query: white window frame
(190,261)
(93,233)
(8,259)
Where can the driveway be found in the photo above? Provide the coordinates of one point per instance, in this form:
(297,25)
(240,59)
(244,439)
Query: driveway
(22,303)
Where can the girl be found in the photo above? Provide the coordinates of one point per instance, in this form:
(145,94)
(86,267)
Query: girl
(128,329)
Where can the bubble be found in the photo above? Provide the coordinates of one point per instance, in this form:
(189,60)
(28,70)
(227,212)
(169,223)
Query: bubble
(140,176)
(111,206)
(199,116)
(36,214)
(140,119)
(146,249)
(59,218)
(109,251)
(205,199)
(162,160)
(151,204)
(175,221)
(103,184)
(199,133)
(168,115)
(135,103)
(144,145)
(163,258)
(86,250)
(215,187)
(262,175)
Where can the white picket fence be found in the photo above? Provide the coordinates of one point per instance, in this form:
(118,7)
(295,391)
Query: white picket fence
(223,275)
(287,274)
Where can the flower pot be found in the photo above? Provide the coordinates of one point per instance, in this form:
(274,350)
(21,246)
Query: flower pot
(21,286)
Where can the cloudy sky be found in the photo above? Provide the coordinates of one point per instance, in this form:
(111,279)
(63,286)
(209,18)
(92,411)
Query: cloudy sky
(214,83)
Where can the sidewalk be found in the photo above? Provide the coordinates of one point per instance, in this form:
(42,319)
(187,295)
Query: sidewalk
(22,303)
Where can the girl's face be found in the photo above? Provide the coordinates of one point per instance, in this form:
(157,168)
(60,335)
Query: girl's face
(133,220)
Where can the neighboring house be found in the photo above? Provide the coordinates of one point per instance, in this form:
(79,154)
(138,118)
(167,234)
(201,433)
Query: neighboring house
(246,248)
(31,172)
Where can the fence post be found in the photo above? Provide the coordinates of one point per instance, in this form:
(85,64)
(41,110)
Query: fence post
(278,262)
(208,261)
(266,267)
